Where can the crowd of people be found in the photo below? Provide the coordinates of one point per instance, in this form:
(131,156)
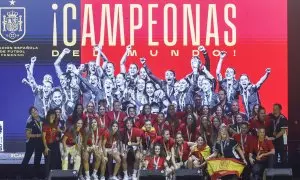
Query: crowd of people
(107,126)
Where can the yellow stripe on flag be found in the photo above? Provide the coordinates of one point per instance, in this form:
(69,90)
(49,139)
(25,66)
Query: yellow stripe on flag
(224,166)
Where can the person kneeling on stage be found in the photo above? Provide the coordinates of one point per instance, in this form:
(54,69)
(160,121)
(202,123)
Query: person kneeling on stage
(181,151)
(199,154)
(132,142)
(71,144)
(264,151)
(92,146)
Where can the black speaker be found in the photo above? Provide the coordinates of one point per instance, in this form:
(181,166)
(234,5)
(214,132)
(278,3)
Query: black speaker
(153,174)
(63,175)
(278,174)
(185,174)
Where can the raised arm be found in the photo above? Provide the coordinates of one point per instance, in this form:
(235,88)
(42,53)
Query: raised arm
(124,58)
(263,78)
(150,74)
(207,73)
(32,61)
(98,48)
(206,57)
(219,66)
(105,60)
(58,61)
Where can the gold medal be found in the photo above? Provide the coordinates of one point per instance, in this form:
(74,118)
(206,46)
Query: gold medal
(168,158)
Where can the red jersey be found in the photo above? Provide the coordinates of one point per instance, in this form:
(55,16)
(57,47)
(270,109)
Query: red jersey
(110,139)
(131,135)
(182,151)
(245,142)
(51,133)
(71,123)
(104,121)
(188,134)
(71,141)
(93,137)
(116,116)
(175,129)
(256,124)
(160,127)
(140,122)
(148,135)
(261,147)
(166,145)
(155,163)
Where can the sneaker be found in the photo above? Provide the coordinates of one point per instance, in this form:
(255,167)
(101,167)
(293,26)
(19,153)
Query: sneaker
(87,177)
(102,178)
(126,177)
(114,178)
(95,177)
(81,177)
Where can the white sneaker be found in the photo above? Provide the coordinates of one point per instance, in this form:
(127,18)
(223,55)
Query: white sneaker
(95,177)
(114,178)
(87,177)
(102,178)
(81,177)
(126,177)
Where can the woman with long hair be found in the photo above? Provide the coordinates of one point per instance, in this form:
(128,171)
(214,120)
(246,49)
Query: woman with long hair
(216,125)
(236,127)
(76,115)
(174,122)
(51,142)
(112,150)
(72,144)
(181,151)
(132,142)
(92,146)
(160,124)
(189,132)
(205,129)
(226,147)
(198,154)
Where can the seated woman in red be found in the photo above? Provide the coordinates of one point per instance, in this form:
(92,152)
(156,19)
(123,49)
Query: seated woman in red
(113,148)
(131,143)
(92,145)
(181,151)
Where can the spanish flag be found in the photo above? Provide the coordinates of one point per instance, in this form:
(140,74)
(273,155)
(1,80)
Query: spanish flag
(220,167)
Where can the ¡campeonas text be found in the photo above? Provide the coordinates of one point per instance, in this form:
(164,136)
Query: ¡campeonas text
(112,27)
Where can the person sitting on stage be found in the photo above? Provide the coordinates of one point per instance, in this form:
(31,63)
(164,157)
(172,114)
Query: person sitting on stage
(91,145)
(132,141)
(198,154)
(113,148)
(181,151)
(261,154)
(71,143)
